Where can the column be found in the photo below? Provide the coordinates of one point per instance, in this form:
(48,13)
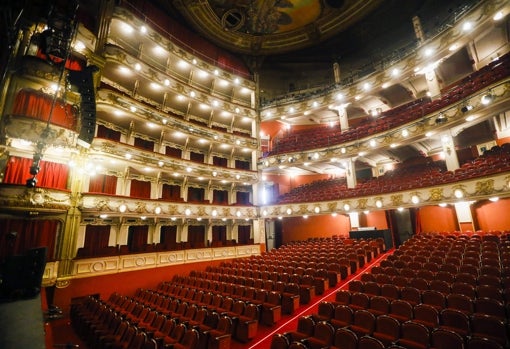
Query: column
(342,117)
(433,84)
(208,233)
(259,234)
(354,219)
(450,155)
(464,216)
(350,173)
(502,125)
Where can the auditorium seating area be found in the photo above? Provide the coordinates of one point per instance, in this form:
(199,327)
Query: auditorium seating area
(419,174)
(320,137)
(223,302)
(438,290)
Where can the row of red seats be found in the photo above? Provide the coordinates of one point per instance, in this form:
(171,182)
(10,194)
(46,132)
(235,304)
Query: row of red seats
(402,178)
(349,328)
(322,137)
(101,326)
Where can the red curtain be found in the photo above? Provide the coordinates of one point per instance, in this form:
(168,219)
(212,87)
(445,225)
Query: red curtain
(220,197)
(103,184)
(107,133)
(243,165)
(195,194)
(196,235)
(171,192)
(72,63)
(137,237)
(140,189)
(96,239)
(219,161)
(28,234)
(37,105)
(168,236)
(219,233)
(243,234)
(196,157)
(144,144)
(51,174)
(173,152)
(243,198)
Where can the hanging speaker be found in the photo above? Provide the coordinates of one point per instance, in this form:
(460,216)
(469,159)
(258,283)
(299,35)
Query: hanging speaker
(83,81)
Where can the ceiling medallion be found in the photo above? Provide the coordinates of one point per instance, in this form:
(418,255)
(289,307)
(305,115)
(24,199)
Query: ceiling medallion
(274,26)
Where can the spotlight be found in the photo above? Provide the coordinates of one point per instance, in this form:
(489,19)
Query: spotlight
(441,119)
(487,98)
(466,108)
(31,182)
(34,169)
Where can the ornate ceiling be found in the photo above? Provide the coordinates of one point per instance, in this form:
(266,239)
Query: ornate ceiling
(268,27)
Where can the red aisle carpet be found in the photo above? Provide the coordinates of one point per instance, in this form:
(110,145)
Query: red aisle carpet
(59,332)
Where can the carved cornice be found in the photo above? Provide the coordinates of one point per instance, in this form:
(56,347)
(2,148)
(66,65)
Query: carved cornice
(92,204)
(30,129)
(475,189)
(146,158)
(33,200)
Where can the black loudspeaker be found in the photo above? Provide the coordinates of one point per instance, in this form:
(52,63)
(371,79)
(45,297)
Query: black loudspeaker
(84,81)
(21,275)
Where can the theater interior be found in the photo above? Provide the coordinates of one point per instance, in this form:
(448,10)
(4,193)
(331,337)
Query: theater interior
(283,174)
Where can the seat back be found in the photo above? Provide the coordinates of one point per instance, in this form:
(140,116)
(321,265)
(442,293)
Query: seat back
(343,297)
(444,339)
(490,327)
(455,320)
(426,315)
(411,295)
(387,329)
(413,332)
(367,342)
(189,340)
(343,316)
(460,302)
(482,343)
(359,301)
(280,341)
(490,306)
(434,298)
(345,339)
(379,305)
(325,310)
(401,309)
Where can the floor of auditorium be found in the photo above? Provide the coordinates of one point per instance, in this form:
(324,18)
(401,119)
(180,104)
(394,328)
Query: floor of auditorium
(59,333)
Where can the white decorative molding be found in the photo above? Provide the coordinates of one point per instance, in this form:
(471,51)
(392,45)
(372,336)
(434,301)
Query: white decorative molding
(89,267)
